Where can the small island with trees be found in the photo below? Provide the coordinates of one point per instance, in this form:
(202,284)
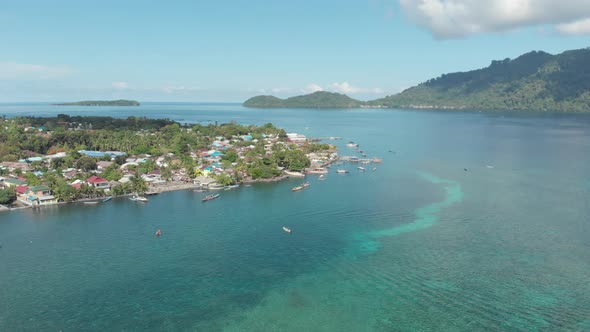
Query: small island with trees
(120,102)
(52,160)
(319,99)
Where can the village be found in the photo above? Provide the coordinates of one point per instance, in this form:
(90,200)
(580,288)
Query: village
(91,176)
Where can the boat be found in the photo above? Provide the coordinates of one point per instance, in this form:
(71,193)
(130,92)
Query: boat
(317,170)
(231,187)
(138,199)
(374,169)
(288,230)
(107,199)
(199,190)
(341,171)
(91,202)
(293,174)
(360,168)
(365,162)
(322,177)
(377,160)
(306,184)
(352,144)
(158,233)
(210,197)
(298,188)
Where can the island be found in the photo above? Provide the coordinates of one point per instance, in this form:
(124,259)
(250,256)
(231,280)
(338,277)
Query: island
(319,99)
(120,102)
(535,81)
(63,159)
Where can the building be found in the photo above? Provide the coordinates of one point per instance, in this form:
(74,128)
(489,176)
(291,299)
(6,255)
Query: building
(12,182)
(98,182)
(38,195)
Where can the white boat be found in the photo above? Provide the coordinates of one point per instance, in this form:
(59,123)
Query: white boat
(306,184)
(374,169)
(322,177)
(360,168)
(317,170)
(298,188)
(341,171)
(293,174)
(91,202)
(231,187)
(288,230)
(138,198)
(352,145)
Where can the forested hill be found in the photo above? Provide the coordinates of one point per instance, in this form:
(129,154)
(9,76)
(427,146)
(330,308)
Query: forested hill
(319,99)
(535,81)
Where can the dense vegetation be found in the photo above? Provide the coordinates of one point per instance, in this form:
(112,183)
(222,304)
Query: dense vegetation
(131,135)
(319,99)
(120,102)
(535,81)
(261,156)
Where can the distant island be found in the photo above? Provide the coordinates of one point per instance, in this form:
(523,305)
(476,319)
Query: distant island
(120,102)
(535,81)
(319,99)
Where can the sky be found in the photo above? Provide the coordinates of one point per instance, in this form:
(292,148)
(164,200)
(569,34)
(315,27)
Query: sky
(228,51)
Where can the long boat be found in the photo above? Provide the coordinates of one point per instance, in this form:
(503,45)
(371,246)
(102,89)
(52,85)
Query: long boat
(298,188)
(209,197)
(288,230)
(341,171)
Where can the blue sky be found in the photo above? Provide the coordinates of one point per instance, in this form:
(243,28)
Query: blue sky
(231,50)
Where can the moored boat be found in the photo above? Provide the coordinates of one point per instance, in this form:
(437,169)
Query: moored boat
(360,168)
(298,188)
(210,197)
(138,199)
(377,160)
(293,174)
(306,184)
(341,171)
(352,145)
(318,170)
(107,199)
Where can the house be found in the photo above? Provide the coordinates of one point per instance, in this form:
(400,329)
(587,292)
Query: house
(11,166)
(11,182)
(38,195)
(98,182)
(102,165)
(21,189)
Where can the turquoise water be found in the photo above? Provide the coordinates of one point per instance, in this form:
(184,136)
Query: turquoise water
(418,245)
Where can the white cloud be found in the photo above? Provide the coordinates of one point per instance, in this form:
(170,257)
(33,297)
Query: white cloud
(346,88)
(180,89)
(10,70)
(581,27)
(120,85)
(460,18)
(311,88)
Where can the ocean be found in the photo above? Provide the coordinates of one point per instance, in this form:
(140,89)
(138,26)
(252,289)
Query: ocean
(473,222)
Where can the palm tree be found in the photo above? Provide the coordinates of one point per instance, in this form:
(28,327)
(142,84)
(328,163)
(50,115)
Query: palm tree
(138,185)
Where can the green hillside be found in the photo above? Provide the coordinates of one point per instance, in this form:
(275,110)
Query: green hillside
(319,99)
(536,81)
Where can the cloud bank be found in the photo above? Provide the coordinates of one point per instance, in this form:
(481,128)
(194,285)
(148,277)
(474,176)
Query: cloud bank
(10,70)
(447,19)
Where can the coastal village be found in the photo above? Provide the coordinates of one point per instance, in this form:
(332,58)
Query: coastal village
(69,175)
